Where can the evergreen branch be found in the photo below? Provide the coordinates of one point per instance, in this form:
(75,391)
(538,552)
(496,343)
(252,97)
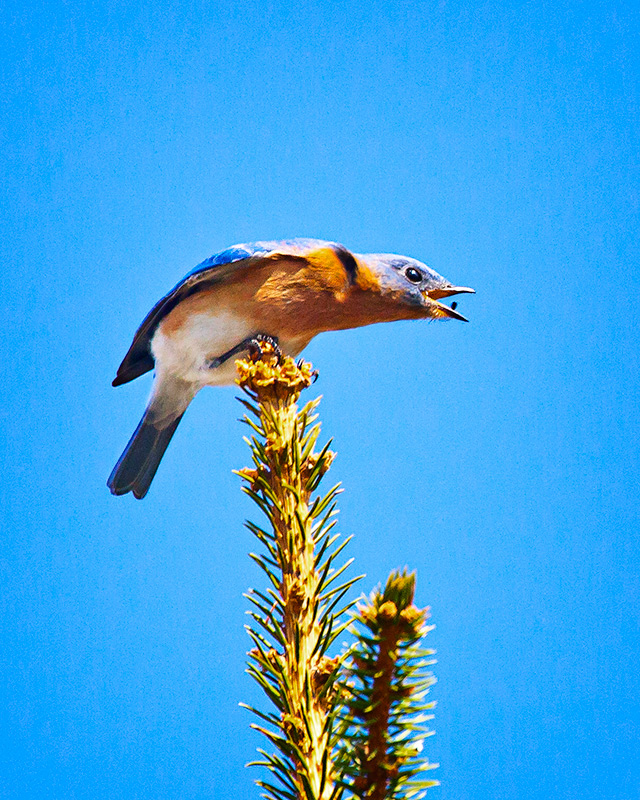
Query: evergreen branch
(382,722)
(296,676)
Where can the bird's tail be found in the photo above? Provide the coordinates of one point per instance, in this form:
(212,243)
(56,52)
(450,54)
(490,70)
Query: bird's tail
(141,457)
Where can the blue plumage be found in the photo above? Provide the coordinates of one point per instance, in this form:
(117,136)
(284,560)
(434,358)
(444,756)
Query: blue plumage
(241,251)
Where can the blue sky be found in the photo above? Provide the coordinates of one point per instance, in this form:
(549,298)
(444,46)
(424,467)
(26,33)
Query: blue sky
(499,144)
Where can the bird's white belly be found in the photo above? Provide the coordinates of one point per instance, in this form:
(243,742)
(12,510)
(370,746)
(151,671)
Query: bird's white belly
(185,352)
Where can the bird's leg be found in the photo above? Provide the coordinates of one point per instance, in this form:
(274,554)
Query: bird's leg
(251,344)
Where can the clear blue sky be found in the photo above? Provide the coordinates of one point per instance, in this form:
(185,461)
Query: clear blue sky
(499,144)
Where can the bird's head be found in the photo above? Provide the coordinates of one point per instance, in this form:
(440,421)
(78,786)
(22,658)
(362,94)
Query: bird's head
(413,284)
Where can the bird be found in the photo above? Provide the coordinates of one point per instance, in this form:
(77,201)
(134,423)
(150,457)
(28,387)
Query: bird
(284,291)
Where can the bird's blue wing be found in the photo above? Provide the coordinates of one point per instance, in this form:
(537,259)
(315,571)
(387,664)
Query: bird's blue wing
(240,252)
(218,267)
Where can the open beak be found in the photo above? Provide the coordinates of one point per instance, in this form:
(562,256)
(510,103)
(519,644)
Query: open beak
(440,309)
(448,291)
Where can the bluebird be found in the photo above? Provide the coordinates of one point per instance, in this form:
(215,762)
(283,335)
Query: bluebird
(286,291)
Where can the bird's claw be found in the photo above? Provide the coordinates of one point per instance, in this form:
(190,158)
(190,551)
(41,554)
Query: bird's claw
(255,346)
(314,375)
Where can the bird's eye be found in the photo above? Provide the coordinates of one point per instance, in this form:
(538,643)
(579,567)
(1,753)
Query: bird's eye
(414,275)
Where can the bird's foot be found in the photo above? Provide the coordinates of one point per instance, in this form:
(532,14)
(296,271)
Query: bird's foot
(254,345)
(314,375)
(257,346)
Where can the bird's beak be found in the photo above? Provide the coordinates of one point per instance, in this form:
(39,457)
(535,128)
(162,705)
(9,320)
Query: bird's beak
(448,291)
(440,309)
